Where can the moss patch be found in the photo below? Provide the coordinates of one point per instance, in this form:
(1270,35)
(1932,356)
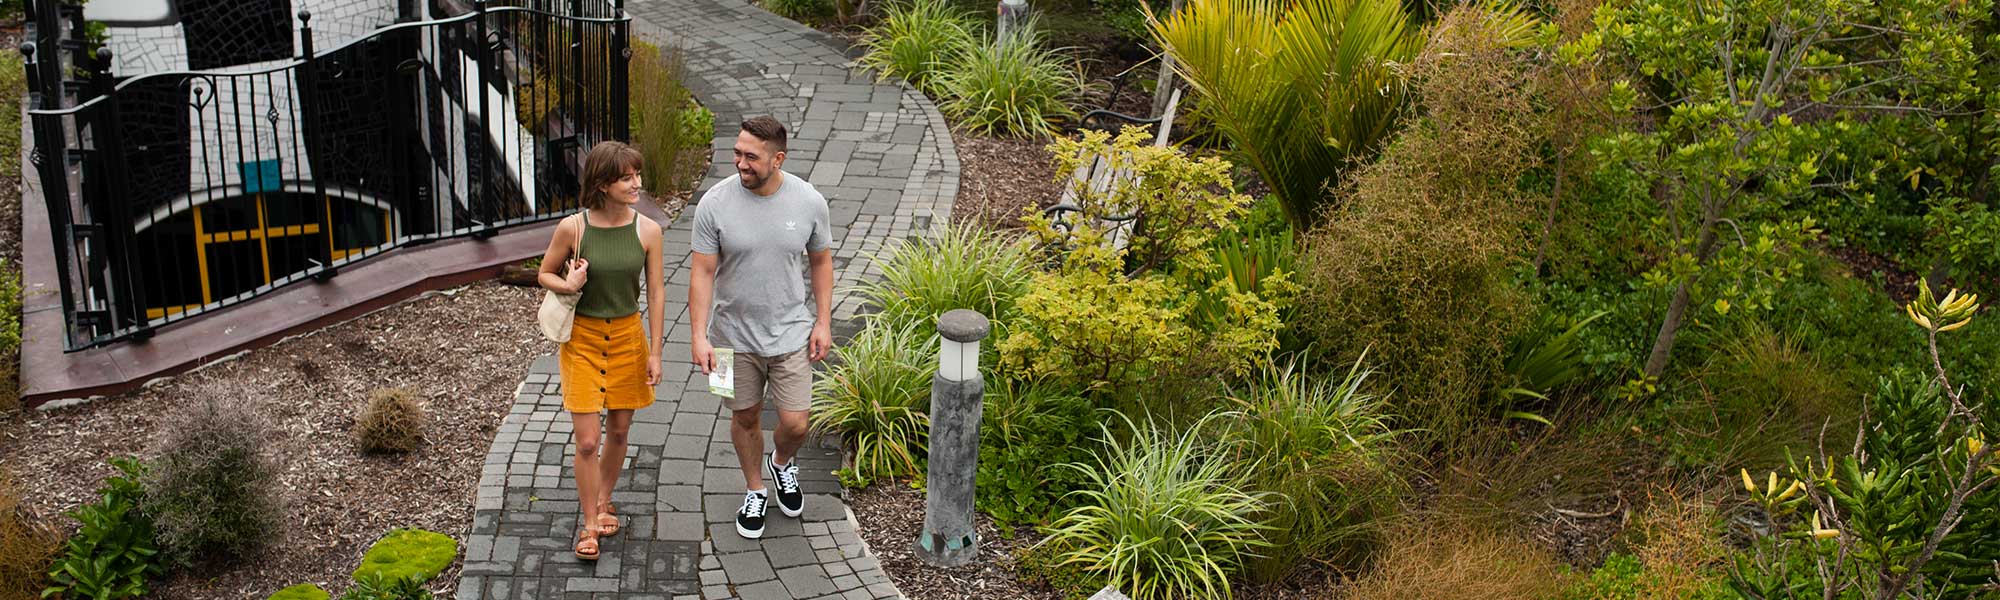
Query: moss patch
(408,553)
(303,591)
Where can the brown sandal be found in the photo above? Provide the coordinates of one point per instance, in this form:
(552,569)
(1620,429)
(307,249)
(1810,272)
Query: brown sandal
(605,529)
(590,552)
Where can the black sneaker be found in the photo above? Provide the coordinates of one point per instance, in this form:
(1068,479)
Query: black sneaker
(790,501)
(750,518)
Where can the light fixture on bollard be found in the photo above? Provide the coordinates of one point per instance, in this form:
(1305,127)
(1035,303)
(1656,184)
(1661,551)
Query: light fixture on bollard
(956,395)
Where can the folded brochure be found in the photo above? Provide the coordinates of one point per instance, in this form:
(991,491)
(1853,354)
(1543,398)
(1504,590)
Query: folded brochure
(722,379)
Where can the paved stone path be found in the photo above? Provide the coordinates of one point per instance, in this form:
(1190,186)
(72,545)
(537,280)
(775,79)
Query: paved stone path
(883,158)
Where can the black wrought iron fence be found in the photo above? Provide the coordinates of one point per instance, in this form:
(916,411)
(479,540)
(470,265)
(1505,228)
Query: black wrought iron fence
(170,194)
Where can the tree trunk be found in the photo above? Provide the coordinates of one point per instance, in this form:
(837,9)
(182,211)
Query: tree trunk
(1663,346)
(1549,221)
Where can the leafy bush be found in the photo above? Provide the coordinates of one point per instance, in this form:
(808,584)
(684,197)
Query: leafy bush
(1084,330)
(1540,362)
(113,553)
(377,587)
(1968,234)
(393,421)
(799,10)
(1160,516)
(1458,561)
(1111,318)
(1413,266)
(963,267)
(10,337)
(1025,433)
(1178,203)
(667,126)
(303,591)
(1626,577)
(1909,511)
(27,545)
(1011,87)
(407,554)
(878,395)
(1320,446)
(1677,558)
(916,40)
(213,492)
(1301,89)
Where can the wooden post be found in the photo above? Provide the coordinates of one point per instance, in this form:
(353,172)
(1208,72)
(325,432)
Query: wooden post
(1164,85)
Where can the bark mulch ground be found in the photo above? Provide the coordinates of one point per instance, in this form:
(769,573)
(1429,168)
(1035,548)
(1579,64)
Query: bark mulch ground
(463,351)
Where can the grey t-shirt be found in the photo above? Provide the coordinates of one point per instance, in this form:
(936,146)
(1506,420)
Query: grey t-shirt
(762,302)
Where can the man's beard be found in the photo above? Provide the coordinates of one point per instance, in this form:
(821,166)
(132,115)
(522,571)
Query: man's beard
(750,179)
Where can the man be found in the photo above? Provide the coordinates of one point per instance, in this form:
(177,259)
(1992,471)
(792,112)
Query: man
(753,234)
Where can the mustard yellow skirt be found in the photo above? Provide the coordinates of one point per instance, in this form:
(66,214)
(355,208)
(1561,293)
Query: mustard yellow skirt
(604,365)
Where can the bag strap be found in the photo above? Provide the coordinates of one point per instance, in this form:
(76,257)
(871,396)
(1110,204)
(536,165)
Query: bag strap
(583,227)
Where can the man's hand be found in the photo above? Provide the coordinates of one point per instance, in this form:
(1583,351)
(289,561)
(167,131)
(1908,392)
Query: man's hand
(704,354)
(820,343)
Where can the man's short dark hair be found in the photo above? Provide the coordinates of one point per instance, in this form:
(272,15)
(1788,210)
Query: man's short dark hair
(769,130)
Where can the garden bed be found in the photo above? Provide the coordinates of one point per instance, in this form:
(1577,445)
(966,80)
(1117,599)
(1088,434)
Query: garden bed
(463,351)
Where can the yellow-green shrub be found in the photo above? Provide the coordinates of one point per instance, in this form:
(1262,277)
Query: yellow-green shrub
(1159,308)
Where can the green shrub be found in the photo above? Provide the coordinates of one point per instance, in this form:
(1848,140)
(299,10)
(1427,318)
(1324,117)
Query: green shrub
(10,337)
(1160,516)
(1106,335)
(407,554)
(393,421)
(878,396)
(1179,204)
(1908,511)
(378,587)
(1011,87)
(27,545)
(666,124)
(1321,447)
(1624,577)
(799,10)
(1545,358)
(1969,236)
(1026,431)
(113,553)
(916,40)
(213,491)
(963,267)
(303,591)
(1158,312)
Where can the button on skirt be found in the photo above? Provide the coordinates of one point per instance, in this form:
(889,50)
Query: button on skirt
(604,365)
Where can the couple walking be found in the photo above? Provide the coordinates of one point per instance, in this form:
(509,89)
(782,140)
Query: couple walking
(754,236)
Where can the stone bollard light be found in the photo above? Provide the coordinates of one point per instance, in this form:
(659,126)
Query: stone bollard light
(1013,15)
(948,539)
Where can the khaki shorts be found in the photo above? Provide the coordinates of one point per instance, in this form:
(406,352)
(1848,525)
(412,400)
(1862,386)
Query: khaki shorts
(785,379)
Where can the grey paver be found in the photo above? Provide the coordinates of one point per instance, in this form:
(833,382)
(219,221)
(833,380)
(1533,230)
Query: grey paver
(879,153)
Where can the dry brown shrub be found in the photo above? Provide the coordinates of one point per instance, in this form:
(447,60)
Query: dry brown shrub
(393,421)
(1452,560)
(1680,545)
(1411,263)
(27,545)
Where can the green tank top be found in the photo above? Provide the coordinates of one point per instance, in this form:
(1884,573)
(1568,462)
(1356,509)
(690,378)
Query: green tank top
(616,260)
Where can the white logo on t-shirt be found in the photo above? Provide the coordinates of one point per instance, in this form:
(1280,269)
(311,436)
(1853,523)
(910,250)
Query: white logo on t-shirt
(791,225)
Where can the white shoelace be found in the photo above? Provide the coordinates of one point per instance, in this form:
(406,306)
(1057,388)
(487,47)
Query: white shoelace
(788,478)
(753,504)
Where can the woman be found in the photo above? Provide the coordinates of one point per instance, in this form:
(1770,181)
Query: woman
(609,364)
